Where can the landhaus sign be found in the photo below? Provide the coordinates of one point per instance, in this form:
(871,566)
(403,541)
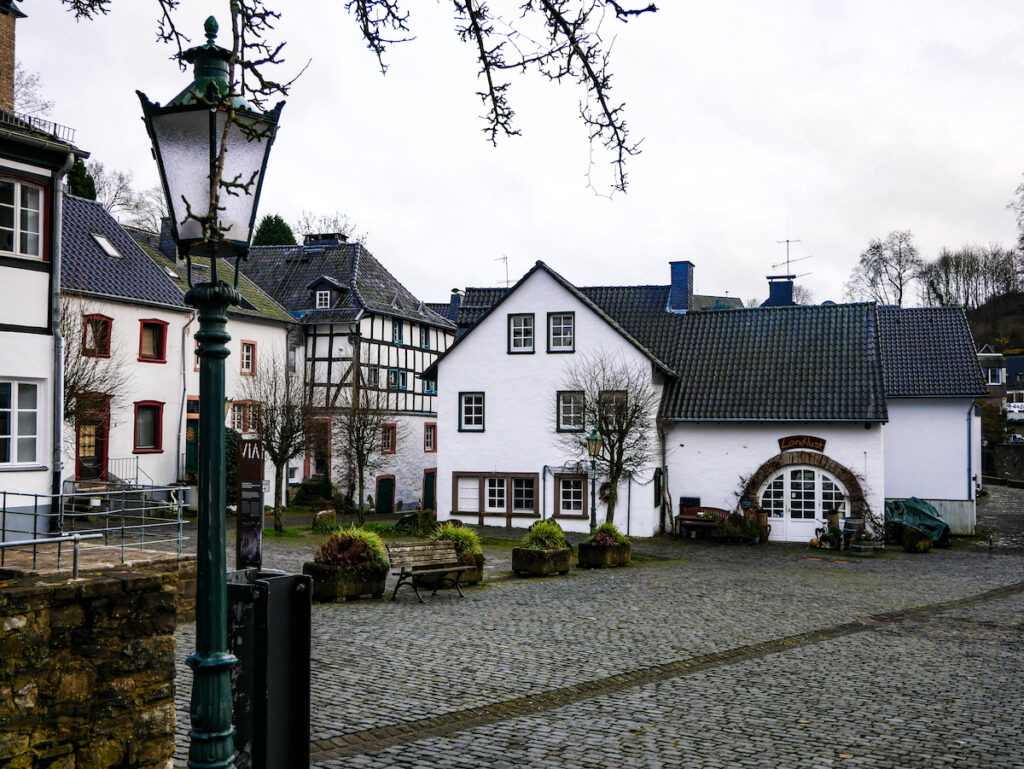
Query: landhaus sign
(796,442)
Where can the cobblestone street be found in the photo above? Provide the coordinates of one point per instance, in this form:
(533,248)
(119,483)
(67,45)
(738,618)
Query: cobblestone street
(696,656)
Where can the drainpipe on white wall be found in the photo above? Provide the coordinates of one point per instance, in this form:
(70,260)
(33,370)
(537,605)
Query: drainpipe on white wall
(664,481)
(184,396)
(57,399)
(970,452)
(544,492)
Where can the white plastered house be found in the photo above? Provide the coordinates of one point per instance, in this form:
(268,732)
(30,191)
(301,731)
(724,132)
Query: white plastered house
(798,409)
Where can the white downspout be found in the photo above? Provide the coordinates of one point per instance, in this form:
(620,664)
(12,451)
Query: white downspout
(58,342)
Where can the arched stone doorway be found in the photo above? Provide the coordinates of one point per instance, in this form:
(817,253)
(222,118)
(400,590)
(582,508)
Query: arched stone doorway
(798,488)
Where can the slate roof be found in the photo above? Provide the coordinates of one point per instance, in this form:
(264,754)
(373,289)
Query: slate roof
(834,362)
(256,303)
(816,363)
(86,268)
(285,272)
(928,352)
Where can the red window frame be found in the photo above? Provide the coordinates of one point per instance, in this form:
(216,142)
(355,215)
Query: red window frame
(241,358)
(158,429)
(108,322)
(161,356)
(389,429)
(426,429)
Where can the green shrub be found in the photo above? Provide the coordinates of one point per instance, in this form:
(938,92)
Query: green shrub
(545,535)
(737,525)
(421,524)
(352,546)
(466,540)
(382,528)
(324,523)
(607,534)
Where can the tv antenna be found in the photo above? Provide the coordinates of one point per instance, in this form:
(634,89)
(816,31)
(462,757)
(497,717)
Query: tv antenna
(789,259)
(504,258)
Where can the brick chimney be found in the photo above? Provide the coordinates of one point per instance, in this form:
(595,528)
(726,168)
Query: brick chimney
(780,291)
(680,292)
(9,14)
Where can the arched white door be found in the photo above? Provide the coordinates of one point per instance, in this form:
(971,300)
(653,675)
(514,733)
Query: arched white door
(798,498)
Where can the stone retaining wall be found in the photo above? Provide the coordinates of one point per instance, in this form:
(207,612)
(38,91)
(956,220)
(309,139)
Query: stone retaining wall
(87,671)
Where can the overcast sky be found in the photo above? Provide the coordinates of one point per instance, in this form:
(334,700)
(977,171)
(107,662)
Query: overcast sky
(826,121)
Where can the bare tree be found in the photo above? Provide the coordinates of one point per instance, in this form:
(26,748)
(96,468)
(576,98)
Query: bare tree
(115,190)
(617,399)
(1016,204)
(28,93)
(970,276)
(560,40)
(885,270)
(148,208)
(802,295)
(95,370)
(363,427)
(340,222)
(283,418)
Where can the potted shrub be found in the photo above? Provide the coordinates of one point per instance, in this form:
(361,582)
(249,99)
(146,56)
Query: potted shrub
(607,546)
(467,546)
(544,550)
(351,562)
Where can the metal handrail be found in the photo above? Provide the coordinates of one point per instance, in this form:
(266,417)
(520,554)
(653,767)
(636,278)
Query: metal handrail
(76,538)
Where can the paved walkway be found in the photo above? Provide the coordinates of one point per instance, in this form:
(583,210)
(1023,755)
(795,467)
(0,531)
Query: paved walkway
(697,656)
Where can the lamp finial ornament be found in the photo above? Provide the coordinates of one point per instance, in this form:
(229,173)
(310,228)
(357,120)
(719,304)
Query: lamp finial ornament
(211,26)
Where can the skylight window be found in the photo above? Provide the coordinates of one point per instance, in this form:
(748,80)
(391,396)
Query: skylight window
(106,245)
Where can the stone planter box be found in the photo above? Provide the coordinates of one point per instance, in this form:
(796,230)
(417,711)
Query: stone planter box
(597,556)
(541,562)
(335,583)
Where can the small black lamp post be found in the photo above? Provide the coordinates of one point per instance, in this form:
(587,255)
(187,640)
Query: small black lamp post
(211,216)
(594,444)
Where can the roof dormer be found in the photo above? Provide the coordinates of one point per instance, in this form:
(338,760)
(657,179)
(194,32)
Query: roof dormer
(324,292)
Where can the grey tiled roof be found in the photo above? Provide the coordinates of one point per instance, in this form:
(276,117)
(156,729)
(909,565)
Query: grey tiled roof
(928,352)
(285,272)
(86,268)
(817,363)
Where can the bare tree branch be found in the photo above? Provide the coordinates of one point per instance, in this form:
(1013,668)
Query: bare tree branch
(28,93)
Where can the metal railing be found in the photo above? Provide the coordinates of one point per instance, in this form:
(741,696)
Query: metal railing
(73,538)
(124,469)
(126,517)
(55,130)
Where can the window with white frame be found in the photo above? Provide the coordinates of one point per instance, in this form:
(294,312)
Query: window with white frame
(561,332)
(520,333)
(398,379)
(323,300)
(19,422)
(467,494)
(570,495)
(245,416)
(524,495)
(248,358)
(803,493)
(570,411)
(994,376)
(21,216)
(430,437)
(471,412)
(496,501)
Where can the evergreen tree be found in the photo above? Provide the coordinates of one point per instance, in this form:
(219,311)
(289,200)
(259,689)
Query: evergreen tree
(80,181)
(273,231)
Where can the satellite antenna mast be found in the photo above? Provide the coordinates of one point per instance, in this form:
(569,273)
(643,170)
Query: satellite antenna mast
(787,241)
(504,258)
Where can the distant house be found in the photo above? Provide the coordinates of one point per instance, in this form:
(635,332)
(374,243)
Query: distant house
(796,409)
(34,157)
(125,308)
(362,330)
(993,367)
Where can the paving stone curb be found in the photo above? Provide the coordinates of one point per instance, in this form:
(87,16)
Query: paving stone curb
(380,738)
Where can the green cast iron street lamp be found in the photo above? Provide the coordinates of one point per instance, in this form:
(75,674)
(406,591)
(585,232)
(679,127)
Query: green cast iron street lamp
(594,444)
(211,215)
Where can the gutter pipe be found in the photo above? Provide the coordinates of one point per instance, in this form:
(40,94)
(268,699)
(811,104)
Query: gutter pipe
(57,396)
(184,396)
(970,452)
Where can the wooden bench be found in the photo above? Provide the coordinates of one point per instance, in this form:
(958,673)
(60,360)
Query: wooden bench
(691,519)
(413,562)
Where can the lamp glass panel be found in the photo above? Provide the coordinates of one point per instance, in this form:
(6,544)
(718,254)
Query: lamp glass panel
(183,144)
(243,164)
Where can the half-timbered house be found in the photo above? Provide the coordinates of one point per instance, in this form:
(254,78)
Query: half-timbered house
(364,333)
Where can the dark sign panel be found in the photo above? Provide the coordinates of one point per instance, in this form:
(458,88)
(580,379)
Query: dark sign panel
(249,532)
(797,442)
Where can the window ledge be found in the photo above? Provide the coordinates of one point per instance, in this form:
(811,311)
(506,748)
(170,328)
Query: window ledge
(573,516)
(148,451)
(152,360)
(22,468)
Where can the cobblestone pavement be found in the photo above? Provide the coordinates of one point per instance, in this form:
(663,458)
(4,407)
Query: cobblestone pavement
(702,656)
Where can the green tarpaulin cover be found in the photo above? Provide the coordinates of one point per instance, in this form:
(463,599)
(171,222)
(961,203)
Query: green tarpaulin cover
(917,512)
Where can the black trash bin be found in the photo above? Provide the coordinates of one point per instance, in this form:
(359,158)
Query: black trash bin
(269,633)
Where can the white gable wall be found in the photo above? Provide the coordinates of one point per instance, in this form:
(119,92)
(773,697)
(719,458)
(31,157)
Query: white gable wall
(933,452)
(520,400)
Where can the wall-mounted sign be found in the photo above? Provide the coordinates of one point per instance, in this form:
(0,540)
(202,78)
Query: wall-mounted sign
(249,515)
(797,442)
